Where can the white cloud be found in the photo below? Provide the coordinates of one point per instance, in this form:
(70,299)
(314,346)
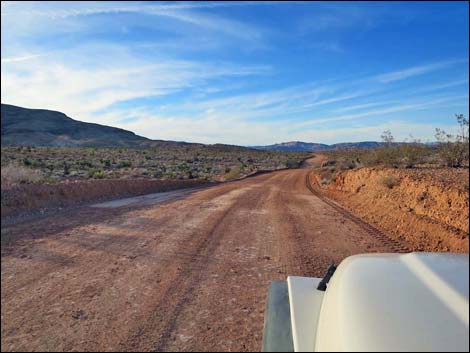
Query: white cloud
(412,106)
(24,17)
(362,106)
(415,71)
(79,89)
(198,99)
(21,58)
(210,128)
(400,129)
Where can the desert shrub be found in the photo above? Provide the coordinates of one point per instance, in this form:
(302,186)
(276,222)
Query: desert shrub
(389,181)
(452,154)
(292,163)
(86,163)
(328,175)
(234,173)
(368,158)
(96,173)
(412,153)
(190,174)
(18,174)
(346,164)
(66,168)
(27,162)
(453,149)
(388,156)
(330,162)
(124,164)
(325,181)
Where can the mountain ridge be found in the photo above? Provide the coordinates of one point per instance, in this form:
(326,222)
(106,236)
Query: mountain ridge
(48,128)
(300,146)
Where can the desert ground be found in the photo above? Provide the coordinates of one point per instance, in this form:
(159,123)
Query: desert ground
(183,273)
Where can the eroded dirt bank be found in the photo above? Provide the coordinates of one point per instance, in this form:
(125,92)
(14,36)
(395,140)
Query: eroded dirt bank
(186,275)
(426,207)
(26,198)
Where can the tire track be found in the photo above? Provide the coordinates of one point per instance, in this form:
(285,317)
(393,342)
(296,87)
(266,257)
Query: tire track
(395,245)
(156,334)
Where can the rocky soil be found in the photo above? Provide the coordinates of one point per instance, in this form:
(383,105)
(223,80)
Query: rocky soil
(427,207)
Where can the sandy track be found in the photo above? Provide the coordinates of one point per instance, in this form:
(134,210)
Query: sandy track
(186,274)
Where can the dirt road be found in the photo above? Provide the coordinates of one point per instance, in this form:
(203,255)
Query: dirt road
(185,274)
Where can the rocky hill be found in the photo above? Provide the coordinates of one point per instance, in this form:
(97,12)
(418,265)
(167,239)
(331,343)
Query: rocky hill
(40,127)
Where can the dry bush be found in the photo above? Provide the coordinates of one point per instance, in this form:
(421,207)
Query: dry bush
(454,150)
(328,175)
(292,163)
(14,173)
(390,181)
(413,152)
(389,156)
(234,173)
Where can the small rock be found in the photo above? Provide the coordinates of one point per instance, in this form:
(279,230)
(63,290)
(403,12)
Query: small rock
(78,314)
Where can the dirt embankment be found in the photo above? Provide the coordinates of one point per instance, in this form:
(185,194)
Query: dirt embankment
(428,208)
(25,199)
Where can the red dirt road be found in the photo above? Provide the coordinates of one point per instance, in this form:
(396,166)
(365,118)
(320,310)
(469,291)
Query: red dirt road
(187,274)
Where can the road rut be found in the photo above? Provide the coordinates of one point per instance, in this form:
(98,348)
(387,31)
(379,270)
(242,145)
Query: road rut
(185,274)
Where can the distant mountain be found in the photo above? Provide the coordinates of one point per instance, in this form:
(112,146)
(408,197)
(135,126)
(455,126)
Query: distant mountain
(40,127)
(295,146)
(316,147)
(362,144)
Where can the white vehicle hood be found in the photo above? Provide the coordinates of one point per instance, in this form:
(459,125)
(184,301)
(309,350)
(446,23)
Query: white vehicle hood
(412,302)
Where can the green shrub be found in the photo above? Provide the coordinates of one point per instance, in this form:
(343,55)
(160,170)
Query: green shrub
(412,153)
(292,164)
(66,168)
(325,181)
(96,173)
(389,156)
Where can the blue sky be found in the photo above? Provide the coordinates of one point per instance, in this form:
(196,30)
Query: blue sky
(239,72)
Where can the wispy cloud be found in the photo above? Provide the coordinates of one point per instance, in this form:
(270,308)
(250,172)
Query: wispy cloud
(234,72)
(80,89)
(416,70)
(401,130)
(383,111)
(21,58)
(184,12)
(361,106)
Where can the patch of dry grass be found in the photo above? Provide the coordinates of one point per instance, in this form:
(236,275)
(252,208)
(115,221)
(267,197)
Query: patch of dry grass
(390,181)
(15,173)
